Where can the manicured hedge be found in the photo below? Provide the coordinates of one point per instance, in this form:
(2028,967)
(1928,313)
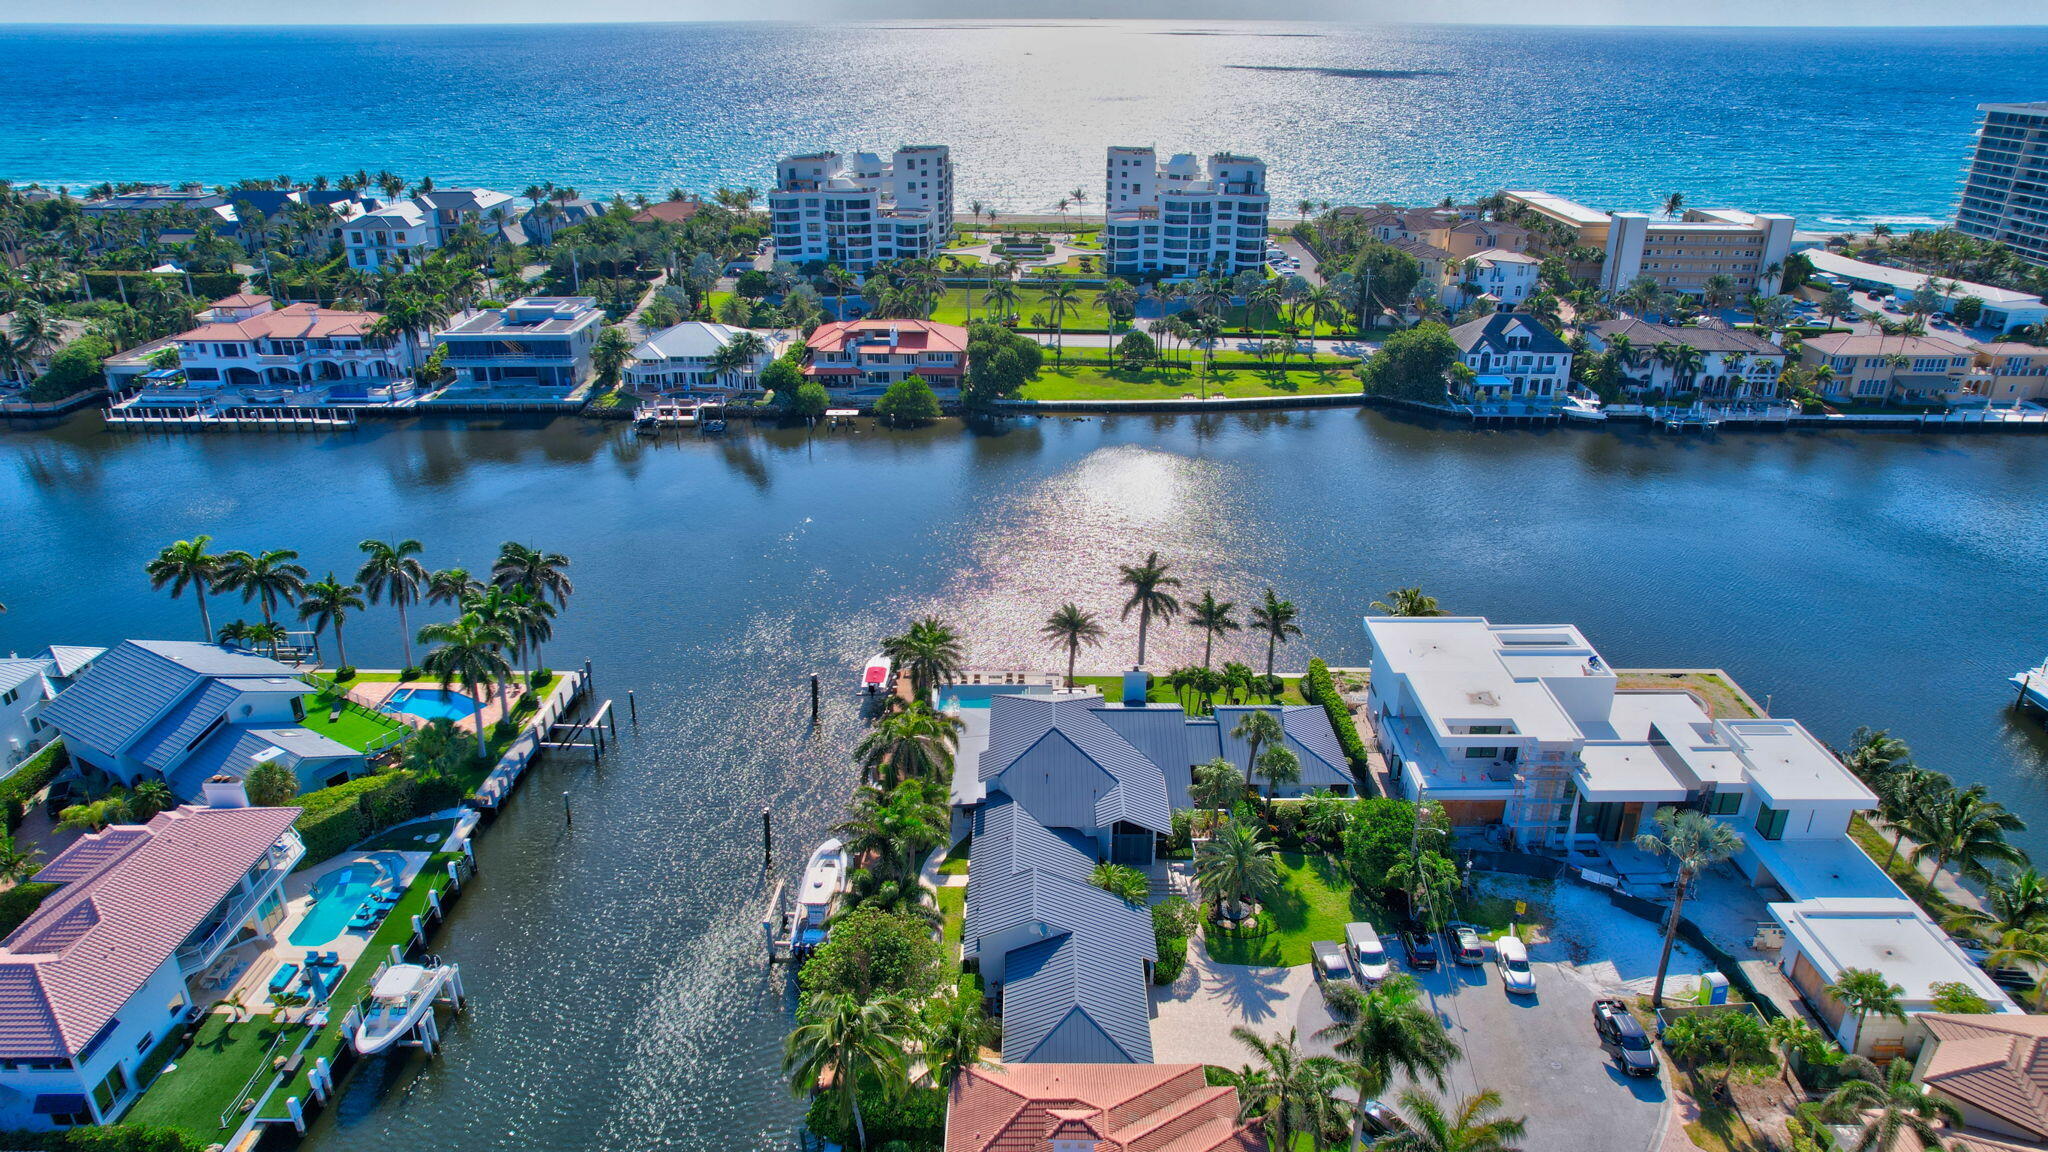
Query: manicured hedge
(108,1138)
(32,777)
(1318,688)
(20,902)
(337,817)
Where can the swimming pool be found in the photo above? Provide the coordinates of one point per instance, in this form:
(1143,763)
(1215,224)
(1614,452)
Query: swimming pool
(957,696)
(432,704)
(336,896)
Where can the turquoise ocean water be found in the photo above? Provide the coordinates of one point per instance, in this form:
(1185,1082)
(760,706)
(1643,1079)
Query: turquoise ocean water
(1838,126)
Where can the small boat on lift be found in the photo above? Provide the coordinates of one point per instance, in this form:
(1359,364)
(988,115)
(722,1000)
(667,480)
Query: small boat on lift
(875,678)
(817,898)
(403,995)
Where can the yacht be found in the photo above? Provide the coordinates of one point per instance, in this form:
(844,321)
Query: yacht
(1582,408)
(2033,686)
(401,997)
(817,897)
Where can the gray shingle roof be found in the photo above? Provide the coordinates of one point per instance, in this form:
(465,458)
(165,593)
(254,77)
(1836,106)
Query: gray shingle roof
(1077,1000)
(1491,333)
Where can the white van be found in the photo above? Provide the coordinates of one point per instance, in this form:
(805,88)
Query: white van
(1368,956)
(1512,956)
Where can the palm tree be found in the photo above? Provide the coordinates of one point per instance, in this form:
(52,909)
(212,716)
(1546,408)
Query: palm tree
(842,1041)
(2014,902)
(1279,765)
(1904,796)
(1258,729)
(470,650)
(1795,1037)
(452,586)
(1891,1110)
(1875,754)
(394,572)
(1865,992)
(1470,1127)
(1295,1094)
(271,635)
(956,1031)
(1059,298)
(1673,203)
(187,562)
(15,864)
(234,634)
(1967,828)
(1408,602)
(148,798)
(328,602)
(896,828)
(1237,865)
(1695,842)
(1275,618)
(928,653)
(1214,618)
(1069,628)
(538,572)
(269,578)
(1148,583)
(1386,1029)
(1216,786)
(917,742)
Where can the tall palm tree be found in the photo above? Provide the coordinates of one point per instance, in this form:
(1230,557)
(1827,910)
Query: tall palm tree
(234,634)
(1216,786)
(1279,765)
(956,1030)
(1411,601)
(928,653)
(1387,1029)
(1469,1127)
(917,742)
(1903,797)
(1237,865)
(1257,729)
(1865,992)
(895,828)
(1293,1093)
(327,603)
(2014,901)
(1148,583)
(187,563)
(1875,754)
(1070,627)
(452,586)
(841,1042)
(1275,619)
(538,572)
(1214,618)
(1060,299)
(1967,828)
(393,572)
(1695,842)
(17,865)
(269,578)
(471,651)
(1891,1110)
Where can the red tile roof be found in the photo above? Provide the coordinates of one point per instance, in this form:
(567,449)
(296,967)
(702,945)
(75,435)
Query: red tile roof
(292,322)
(1998,1063)
(911,335)
(131,896)
(671,211)
(1123,1107)
(242,300)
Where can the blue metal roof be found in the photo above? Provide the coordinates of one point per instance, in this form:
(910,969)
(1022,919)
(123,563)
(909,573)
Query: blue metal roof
(133,686)
(1076,1000)
(1007,839)
(171,736)
(233,749)
(1309,737)
(1023,724)
(1003,902)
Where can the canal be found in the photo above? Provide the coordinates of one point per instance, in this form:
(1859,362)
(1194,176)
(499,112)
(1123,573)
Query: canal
(615,964)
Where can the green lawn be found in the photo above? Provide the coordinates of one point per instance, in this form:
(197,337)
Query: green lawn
(1315,904)
(1878,846)
(952,903)
(1724,700)
(1084,382)
(955,863)
(953,308)
(1185,360)
(205,1078)
(1112,688)
(354,726)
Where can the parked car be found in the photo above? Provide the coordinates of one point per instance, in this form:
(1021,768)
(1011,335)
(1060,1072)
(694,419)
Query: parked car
(1621,1035)
(1331,964)
(1466,947)
(1512,957)
(1420,945)
(1368,955)
(1375,1120)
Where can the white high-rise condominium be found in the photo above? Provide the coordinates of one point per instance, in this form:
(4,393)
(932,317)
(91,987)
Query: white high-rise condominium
(1181,219)
(2005,195)
(856,211)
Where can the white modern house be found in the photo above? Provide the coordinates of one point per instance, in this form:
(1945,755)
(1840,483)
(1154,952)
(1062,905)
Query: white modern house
(1504,277)
(684,358)
(1732,364)
(398,236)
(108,966)
(1182,218)
(535,341)
(1513,357)
(247,341)
(857,211)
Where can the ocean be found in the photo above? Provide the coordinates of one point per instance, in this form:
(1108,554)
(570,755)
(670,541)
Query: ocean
(1838,126)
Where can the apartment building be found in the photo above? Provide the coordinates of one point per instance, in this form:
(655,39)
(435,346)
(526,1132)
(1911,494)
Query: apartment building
(1680,255)
(398,236)
(1507,278)
(248,341)
(2005,192)
(2018,372)
(535,341)
(1728,363)
(1513,356)
(866,356)
(1881,369)
(857,211)
(1182,218)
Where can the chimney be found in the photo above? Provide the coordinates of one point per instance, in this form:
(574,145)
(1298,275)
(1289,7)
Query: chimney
(224,791)
(1137,685)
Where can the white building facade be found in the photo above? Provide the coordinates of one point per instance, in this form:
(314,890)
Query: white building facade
(1182,218)
(535,341)
(248,341)
(857,211)
(687,358)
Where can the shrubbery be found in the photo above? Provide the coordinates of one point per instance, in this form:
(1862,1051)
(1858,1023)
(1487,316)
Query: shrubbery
(108,1138)
(1318,688)
(917,1118)
(32,777)
(908,401)
(1173,921)
(78,367)
(20,902)
(872,953)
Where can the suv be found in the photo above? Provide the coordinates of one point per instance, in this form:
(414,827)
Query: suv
(1465,945)
(1420,944)
(1624,1037)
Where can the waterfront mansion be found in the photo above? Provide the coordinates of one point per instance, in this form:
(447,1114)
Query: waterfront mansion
(1512,357)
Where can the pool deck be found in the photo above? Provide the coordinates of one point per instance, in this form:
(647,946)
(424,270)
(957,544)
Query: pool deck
(373,693)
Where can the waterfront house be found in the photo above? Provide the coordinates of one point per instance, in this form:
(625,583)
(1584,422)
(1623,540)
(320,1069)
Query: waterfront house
(670,212)
(1466,236)
(1733,364)
(1084,1107)
(185,712)
(1182,217)
(399,235)
(247,342)
(544,220)
(857,211)
(683,359)
(1879,369)
(2017,372)
(24,687)
(64,332)
(1513,357)
(1058,757)
(1680,254)
(1506,278)
(535,342)
(113,963)
(1993,1068)
(861,358)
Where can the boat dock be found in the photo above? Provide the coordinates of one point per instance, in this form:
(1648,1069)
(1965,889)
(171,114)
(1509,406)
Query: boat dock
(259,418)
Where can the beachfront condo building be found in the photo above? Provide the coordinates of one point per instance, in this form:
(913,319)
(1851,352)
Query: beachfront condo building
(533,342)
(2005,193)
(119,957)
(857,211)
(1679,254)
(1182,218)
(1513,357)
(246,341)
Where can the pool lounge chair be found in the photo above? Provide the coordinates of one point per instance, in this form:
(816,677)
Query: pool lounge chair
(282,978)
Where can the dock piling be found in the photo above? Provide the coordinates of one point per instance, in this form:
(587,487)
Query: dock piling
(767,840)
(568,817)
(632,707)
(814,699)
(587,681)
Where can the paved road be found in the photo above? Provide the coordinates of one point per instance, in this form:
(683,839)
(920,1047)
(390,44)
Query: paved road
(1311,269)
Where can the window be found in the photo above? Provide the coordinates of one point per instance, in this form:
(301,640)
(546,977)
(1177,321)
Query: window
(1482,753)
(111,1090)
(10,696)
(1770,822)
(1724,803)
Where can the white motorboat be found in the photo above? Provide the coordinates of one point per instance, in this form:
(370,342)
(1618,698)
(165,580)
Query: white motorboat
(402,996)
(817,897)
(875,679)
(1582,408)
(2033,686)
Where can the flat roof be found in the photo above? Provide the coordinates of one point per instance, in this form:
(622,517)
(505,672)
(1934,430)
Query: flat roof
(1787,765)
(1466,670)
(1683,735)
(1828,868)
(1891,936)
(1559,206)
(1836,264)
(1627,772)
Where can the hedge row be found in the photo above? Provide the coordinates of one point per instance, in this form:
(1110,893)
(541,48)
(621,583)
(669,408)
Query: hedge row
(337,817)
(1318,688)
(32,777)
(102,1138)
(20,902)
(206,285)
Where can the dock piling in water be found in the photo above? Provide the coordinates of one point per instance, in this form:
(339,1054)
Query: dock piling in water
(767,840)
(632,707)
(568,817)
(814,699)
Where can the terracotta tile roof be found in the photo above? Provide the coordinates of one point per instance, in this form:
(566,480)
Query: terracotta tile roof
(242,300)
(1997,1063)
(1122,1107)
(911,335)
(670,211)
(292,322)
(132,896)
(1853,344)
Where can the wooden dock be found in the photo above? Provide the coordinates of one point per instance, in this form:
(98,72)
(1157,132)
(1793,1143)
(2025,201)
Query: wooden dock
(255,419)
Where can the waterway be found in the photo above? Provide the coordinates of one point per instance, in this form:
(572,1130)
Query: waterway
(619,998)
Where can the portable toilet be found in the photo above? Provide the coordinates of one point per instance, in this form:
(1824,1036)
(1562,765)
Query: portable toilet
(1137,685)
(1713,988)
